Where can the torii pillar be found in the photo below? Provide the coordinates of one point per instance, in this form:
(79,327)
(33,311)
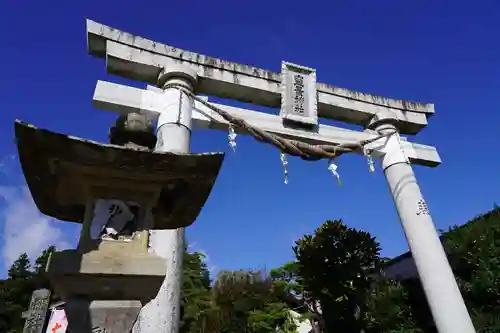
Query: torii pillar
(443,295)
(174,133)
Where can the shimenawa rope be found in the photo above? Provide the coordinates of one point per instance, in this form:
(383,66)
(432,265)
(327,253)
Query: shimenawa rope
(303,150)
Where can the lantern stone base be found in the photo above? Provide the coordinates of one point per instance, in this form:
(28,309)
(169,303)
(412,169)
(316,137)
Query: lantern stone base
(103,275)
(101,316)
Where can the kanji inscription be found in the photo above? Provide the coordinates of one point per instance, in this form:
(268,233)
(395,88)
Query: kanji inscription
(298,90)
(37,311)
(299,96)
(422,208)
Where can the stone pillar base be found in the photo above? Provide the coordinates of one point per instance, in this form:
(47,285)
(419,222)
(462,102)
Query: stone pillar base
(101,316)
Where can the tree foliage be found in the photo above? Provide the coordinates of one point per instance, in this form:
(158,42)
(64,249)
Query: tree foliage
(15,291)
(336,266)
(474,253)
(389,309)
(473,250)
(334,282)
(195,296)
(248,302)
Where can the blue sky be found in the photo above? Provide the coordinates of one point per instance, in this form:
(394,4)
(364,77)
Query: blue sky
(444,52)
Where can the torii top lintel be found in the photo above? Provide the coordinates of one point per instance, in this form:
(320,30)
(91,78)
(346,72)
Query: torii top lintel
(142,59)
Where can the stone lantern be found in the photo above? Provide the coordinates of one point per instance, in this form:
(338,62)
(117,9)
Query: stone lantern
(105,280)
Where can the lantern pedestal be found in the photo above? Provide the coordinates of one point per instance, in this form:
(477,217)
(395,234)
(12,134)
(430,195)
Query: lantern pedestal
(101,316)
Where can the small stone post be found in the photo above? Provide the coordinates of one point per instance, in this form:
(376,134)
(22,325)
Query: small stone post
(37,311)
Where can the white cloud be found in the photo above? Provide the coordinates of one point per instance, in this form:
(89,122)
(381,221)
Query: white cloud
(22,227)
(25,229)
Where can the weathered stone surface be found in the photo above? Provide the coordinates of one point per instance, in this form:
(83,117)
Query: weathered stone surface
(106,275)
(37,311)
(141,59)
(101,316)
(299,97)
(133,128)
(56,167)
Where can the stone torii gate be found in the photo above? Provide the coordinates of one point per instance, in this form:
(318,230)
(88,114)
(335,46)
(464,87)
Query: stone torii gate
(177,74)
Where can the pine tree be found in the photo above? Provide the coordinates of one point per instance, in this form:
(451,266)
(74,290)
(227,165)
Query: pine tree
(42,261)
(21,268)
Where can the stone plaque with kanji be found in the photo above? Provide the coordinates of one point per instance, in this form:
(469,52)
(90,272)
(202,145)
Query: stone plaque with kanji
(37,311)
(298,95)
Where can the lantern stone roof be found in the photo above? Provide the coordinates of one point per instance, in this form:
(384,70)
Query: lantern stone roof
(49,159)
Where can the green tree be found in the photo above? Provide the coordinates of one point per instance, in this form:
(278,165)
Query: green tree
(196,294)
(336,266)
(389,309)
(474,253)
(235,294)
(271,317)
(247,302)
(21,268)
(42,260)
(16,290)
(286,284)
(473,250)
(15,294)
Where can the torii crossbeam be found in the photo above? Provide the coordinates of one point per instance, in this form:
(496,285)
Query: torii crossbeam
(300,99)
(123,99)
